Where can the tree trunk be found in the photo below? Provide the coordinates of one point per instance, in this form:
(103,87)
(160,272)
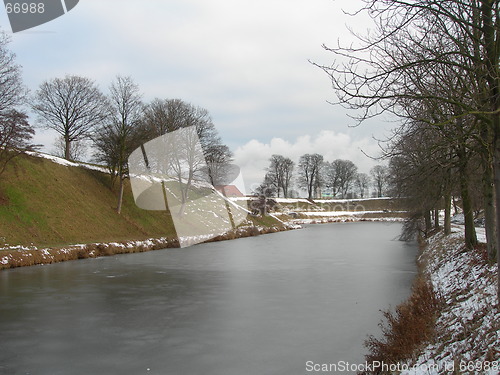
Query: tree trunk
(496,170)
(455,207)
(447,214)
(428,221)
(489,212)
(120,196)
(67,148)
(436,218)
(470,230)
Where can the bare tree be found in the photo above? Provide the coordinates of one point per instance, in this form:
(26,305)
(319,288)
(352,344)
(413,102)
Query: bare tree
(266,189)
(77,151)
(416,42)
(310,173)
(280,173)
(331,178)
(12,91)
(163,116)
(380,177)
(339,175)
(15,136)
(122,133)
(15,131)
(362,182)
(220,170)
(73,106)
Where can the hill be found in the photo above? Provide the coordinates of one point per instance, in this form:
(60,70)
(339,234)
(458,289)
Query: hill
(49,204)
(55,204)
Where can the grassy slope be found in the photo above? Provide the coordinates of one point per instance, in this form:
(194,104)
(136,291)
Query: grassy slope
(48,204)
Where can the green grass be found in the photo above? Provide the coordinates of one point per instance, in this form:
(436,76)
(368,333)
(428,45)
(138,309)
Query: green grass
(48,204)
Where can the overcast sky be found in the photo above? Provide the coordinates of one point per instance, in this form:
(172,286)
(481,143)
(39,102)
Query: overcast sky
(245,61)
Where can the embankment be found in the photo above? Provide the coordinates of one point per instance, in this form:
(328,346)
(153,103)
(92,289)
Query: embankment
(52,211)
(22,256)
(463,321)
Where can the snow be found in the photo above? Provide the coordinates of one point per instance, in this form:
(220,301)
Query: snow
(350,200)
(65,162)
(468,327)
(339,213)
(291,200)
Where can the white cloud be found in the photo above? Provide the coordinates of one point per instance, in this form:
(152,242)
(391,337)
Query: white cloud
(245,61)
(253,157)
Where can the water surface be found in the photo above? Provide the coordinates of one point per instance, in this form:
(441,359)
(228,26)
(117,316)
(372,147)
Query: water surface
(260,305)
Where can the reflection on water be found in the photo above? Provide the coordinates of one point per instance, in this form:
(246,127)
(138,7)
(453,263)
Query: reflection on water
(261,305)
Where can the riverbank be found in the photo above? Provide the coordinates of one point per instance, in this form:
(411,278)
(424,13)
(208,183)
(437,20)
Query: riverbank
(468,324)
(465,320)
(23,256)
(31,255)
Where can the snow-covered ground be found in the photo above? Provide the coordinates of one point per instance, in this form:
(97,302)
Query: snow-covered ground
(343,213)
(468,328)
(67,163)
(350,200)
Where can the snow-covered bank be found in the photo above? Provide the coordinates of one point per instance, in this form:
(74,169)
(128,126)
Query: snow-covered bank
(341,216)
(22,256)
(468,326)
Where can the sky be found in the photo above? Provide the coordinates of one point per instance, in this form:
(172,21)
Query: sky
(248,62)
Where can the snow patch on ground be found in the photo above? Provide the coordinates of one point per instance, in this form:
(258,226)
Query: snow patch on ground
(341,213)
(469,326)
(350,200)
(65,162)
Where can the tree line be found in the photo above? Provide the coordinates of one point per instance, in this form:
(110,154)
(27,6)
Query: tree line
(435,65)
(115,123)
(320,178)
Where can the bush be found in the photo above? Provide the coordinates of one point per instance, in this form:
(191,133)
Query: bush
(406,329)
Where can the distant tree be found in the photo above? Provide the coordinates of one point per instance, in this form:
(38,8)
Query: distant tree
(15,131)
(310,173)
(15,136)
(12,91)
(218,158)
(331,178)
(122,133)
(162,116)
(266,189)
(78,149)
(339,176)
(280,172)
(362,183)
(73,106)
(380,178)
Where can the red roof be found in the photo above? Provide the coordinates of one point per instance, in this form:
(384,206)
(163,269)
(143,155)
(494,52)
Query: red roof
(229,191)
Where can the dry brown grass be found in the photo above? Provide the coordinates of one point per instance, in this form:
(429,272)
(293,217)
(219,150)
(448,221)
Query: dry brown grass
(406,329)
(23,258)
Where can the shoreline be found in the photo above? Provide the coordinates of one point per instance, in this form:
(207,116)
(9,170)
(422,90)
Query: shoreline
(453,327)
(26,256)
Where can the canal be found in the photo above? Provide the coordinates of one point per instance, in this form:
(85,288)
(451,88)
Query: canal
(261,305)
